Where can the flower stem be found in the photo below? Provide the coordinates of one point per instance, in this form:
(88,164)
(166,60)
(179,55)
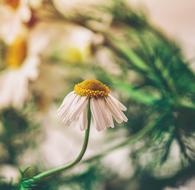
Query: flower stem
(58,170)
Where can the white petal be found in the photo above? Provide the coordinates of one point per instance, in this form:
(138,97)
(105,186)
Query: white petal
(118,115)
(98,118)
(66,104)
(94,114)
(65,101)
(77,109)
(65,110)
(74,110)
(106,114)
(101,110)
(69,108)
(122,107)
(68,100)
(83,121)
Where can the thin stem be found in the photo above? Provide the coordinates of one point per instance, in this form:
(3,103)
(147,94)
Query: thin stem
(60,169)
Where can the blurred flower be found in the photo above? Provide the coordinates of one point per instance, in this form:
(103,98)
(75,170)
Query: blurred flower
(74,41)
(21,66)
(75,6)
(10,173)
(103,106)
(13,14)
(78,50)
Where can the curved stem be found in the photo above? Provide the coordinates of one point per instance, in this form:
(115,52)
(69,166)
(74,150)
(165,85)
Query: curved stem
(58,170)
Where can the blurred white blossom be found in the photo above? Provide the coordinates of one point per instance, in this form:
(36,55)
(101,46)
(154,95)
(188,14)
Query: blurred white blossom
(10,173)
(74,41)
(21,66)
(13,15)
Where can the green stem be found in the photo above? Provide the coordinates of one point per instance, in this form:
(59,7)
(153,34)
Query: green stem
(60,169)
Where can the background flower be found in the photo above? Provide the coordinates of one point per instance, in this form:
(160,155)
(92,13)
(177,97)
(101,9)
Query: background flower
(21,62)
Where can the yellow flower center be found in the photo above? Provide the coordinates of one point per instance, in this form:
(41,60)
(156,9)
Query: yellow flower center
(91,88)
(14,4)
(16,52)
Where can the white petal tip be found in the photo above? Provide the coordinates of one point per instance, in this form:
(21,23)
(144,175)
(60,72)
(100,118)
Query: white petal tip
(124,109)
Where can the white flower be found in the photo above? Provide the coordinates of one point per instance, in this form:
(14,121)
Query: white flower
(14,83)
(21,66)
(103,106)
(78,44)
(13,15)
(75,41)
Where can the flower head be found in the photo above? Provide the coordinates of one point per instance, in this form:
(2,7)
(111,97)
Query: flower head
(103,106)
(21,66)
(91,88)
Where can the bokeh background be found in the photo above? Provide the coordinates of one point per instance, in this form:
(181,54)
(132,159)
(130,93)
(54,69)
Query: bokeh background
(143,49)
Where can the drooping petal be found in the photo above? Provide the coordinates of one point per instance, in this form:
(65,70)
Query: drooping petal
(105,113)
(115,101)
(101,112)
(67,108)
(118,115)
(70,109)
(83,121)
(65,99)
(97,115)
(94,115)
(68,100)
(69,105)
(77,109)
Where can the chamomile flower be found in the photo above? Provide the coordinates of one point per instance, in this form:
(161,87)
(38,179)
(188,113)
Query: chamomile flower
(103,106)
(20,66)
